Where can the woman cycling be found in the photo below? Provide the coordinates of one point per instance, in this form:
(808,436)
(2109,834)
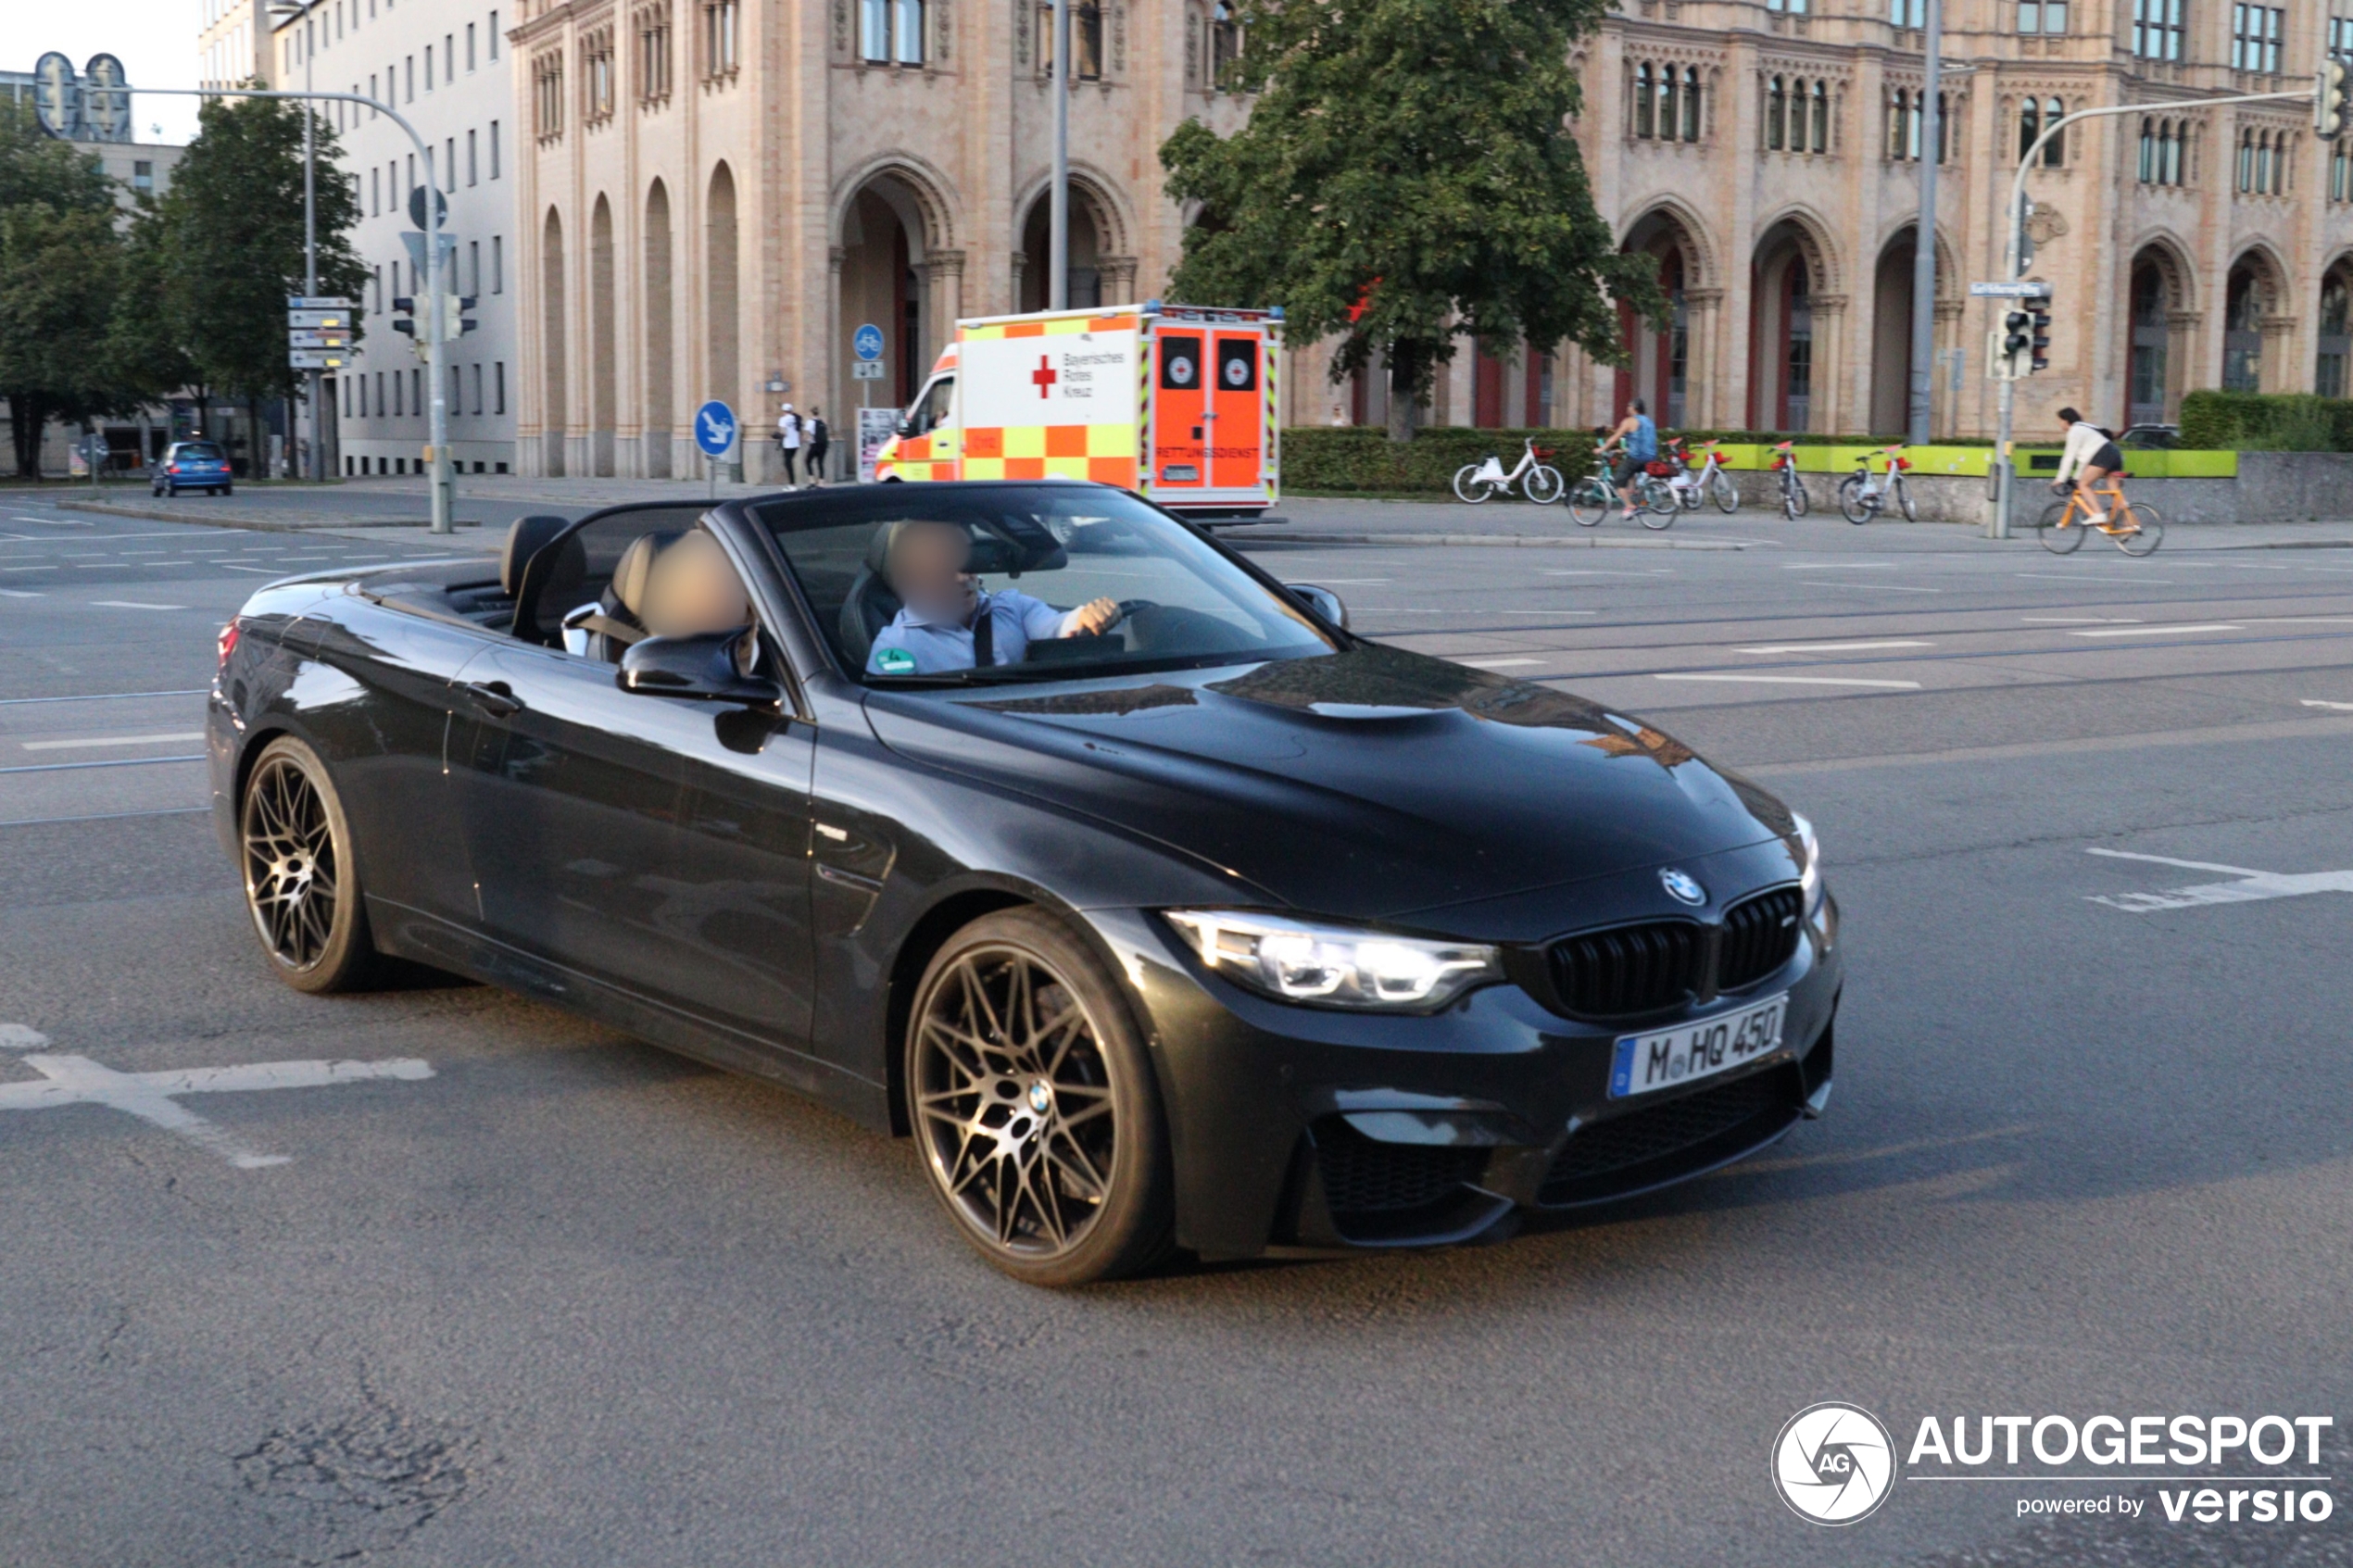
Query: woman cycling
(2091,456)
(1637,438)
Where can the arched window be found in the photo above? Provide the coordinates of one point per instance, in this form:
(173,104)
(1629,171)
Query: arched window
(2055,150)
(1897,106)
(2030,125)
(1690,103)
(1821,117)
(1946,140)
(2148,151)
(2340,169)
(2246,160)
(1643,100)
(1667,103)
(1776,101)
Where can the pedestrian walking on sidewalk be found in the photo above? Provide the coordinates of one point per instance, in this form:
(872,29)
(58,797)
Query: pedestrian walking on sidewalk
(821,440)
(789,442)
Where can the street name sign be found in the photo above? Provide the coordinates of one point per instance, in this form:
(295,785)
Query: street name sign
(2009,291)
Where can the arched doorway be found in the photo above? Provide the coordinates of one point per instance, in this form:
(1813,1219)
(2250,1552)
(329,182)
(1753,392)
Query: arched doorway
(883,247)
(1892,335)
(724,379)
(554,416)
(1660,369)
(603,372)
(1086,280)
(2243,307)
(2335,351)
(660,416)
(2154,360)
(1786,372)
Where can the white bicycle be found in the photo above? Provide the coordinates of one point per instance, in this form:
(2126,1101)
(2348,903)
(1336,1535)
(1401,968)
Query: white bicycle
(1707,479)
(1480,482)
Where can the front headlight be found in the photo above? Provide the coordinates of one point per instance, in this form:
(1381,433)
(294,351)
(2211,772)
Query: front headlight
(1810,875)
(1335,965)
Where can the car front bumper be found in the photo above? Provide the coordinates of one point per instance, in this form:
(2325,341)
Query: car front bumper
(1302,1127)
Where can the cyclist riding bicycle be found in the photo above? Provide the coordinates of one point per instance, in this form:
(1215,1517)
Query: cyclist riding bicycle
(2091,456)
(1637,438)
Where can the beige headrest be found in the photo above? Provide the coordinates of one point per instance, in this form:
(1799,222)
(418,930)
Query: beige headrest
(693,590)
(635,569)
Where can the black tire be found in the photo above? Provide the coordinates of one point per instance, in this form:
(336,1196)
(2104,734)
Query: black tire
(2060,541)
(2151,531)
(1725,492)
(1903,500)
(227,490)
(1590,500)
(1851,504)
(1015,1119)
(302,886)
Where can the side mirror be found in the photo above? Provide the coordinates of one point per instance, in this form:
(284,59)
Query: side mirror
(701,666)
(906,427)
(1323,601)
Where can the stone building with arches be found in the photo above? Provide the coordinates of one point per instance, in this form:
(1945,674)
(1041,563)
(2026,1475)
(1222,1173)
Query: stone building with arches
(713,196)
(1768,153)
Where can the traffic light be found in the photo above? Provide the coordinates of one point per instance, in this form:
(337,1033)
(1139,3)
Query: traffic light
(2016,344)
(404,315)
(456,323)
(2330,101)
(2039,349)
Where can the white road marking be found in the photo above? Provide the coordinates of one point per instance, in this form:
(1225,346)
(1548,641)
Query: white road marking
(1839,566)
(1572,571)
(130,604)
(150,1097)
(1496,663)
(264,571)
(2081,619)
(2338,706)
(1351,581)
(21,1037)
(19,593)
(2252,886)
(2080,579)
(2158,631)
(1832,647)
(106,740)
(1794,681)
(1882,587)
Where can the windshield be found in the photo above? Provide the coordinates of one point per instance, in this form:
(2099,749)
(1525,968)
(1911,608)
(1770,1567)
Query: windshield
(986,582)
(204,450)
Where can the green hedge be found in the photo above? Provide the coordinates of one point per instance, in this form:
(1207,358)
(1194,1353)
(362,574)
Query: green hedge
(1362,458)
(2259,421)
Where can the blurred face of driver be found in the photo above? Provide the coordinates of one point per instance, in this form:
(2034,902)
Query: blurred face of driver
(927,562)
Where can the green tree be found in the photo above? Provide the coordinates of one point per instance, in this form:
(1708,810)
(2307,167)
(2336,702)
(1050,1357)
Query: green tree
(1407,174)
(231,244)
(60,270)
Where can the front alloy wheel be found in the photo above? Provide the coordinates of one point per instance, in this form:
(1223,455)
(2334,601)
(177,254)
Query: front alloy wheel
(299,886)
(1031,1101)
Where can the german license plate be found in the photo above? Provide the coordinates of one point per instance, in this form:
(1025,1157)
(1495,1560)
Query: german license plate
(1669,1057)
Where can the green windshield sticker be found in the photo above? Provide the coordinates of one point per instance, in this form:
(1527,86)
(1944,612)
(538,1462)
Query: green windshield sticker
(895,661)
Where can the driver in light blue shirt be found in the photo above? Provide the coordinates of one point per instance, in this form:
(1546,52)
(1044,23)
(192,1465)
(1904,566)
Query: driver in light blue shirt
(946,618)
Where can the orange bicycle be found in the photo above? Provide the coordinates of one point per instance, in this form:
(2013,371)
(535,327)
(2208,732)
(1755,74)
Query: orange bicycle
(2135,527)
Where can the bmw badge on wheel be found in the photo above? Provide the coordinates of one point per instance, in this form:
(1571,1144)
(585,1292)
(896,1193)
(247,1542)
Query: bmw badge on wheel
(1833,1463)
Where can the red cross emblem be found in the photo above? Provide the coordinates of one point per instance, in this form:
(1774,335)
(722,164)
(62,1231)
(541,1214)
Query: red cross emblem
(1043,377)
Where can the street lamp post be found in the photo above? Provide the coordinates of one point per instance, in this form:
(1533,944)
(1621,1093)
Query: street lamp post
(1058,203)
(317,464)
(1924,235)
(438,426)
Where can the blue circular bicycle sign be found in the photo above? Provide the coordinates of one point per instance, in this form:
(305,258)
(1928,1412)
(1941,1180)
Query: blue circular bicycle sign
(867,342)
(714,428)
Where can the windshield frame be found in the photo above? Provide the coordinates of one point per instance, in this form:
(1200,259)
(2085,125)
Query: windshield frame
(750,511)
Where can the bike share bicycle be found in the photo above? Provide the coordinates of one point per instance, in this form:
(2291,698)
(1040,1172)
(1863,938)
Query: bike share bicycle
(1481,482)
(1861,499)
(1593,498)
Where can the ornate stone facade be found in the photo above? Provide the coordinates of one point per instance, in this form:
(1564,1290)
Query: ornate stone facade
(715,194)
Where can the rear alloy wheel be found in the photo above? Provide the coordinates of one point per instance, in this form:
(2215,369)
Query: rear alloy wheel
(301,887)
(1033,1104)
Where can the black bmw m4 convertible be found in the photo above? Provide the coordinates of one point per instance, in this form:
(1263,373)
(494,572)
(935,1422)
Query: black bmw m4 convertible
(1024,820)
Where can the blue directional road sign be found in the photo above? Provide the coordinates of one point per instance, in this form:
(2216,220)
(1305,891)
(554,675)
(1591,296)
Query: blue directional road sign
(867,342)
(714,428)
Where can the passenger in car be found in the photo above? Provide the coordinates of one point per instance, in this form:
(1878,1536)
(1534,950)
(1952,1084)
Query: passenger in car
(946,621)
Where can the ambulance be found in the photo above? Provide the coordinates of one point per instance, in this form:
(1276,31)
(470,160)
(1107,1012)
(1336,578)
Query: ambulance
(1174,402)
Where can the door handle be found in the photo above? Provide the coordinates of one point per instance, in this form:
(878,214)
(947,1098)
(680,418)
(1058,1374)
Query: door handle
(495,697)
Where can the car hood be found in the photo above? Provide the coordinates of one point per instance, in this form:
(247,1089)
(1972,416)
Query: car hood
(1371,782)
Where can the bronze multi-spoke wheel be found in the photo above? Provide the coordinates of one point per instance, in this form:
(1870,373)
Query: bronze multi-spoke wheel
(1031,1099)
(299,884)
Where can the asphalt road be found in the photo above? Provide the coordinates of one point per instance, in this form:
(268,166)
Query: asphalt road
(570,1301)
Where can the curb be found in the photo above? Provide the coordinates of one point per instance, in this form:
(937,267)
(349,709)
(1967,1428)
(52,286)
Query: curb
(1509,540)
(249,521)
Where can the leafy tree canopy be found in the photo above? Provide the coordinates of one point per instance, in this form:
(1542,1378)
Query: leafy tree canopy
(232,247)
(1407,174)
(60,274)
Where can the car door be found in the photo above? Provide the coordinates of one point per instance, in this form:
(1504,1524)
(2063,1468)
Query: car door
(571,796)
(1179,414)
(1238,434)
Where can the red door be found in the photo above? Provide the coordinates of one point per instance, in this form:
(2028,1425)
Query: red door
(1179,446)
(1238,453)
(1487,400)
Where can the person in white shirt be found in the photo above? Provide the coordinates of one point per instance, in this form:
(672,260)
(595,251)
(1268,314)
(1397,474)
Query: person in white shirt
(2091,456)
(788,438)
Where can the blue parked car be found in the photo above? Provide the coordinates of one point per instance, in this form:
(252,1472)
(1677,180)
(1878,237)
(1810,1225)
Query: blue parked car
(191,465)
